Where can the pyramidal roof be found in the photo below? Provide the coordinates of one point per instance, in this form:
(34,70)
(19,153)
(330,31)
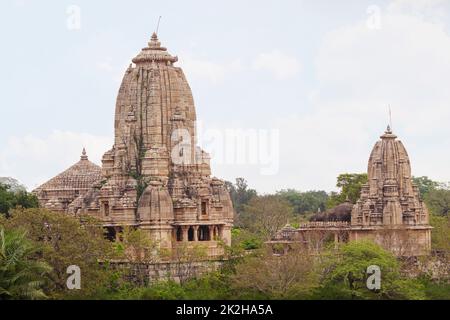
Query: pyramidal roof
(82,175)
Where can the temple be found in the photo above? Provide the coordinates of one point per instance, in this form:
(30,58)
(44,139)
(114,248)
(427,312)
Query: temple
(389,211)
(154,178)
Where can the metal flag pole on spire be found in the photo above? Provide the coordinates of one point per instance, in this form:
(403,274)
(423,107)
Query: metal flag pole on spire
(390,117)
(157,26)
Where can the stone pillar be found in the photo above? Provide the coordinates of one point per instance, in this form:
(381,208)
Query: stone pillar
(211,232)
(195,233)
(117,233)
(185,233)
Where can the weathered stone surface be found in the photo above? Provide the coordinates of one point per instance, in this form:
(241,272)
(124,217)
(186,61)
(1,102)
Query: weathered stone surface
(154,177)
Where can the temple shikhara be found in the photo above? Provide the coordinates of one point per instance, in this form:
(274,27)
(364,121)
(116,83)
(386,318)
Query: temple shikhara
(154,178)
(389,211)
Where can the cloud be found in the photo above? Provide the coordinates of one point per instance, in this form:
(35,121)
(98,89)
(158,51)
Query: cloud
(33,160)
(205,69)
(281,65)
(404,64)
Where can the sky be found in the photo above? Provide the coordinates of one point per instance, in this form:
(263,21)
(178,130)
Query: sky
(309,83)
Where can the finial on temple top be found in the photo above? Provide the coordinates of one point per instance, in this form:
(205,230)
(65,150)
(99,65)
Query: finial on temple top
(84,155)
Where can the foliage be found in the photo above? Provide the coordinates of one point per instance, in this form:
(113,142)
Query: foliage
(305,202)
(350,188)
(136,245)
(64,241)
(438,201)
(185,258)
(240,193)
(436,290)
(425,184)
(13,184)
(346,275)
(440,235)
(10,199)
(21,277)
(266,276)
(265,215)
(245,240)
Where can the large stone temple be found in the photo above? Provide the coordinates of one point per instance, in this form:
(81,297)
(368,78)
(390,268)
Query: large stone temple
(154,178)
(390,210)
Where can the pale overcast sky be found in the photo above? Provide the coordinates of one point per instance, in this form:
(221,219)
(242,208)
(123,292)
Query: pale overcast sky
(322,73)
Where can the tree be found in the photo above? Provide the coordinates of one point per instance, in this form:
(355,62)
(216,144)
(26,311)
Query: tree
(350,188)
(440,236)
(438,201)
(137,247)
(265,215)
(21,277)
(10,199)
(425,184)
(186,260)
(240,193)
(64,241)
(305,202)
(266,276)
(345,275)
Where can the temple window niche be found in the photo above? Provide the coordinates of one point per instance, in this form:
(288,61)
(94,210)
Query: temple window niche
(204,208)
(105,208)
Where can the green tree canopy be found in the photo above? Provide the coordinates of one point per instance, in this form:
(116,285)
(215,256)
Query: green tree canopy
(305,202)
(265,215)
(21,276)
(346,274)
(13,198)
(438,201)
(425,185)
(240,193)
(64,241)
(350,188)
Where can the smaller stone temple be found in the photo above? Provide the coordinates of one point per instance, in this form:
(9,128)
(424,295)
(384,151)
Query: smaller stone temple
(60,193)
(390,210)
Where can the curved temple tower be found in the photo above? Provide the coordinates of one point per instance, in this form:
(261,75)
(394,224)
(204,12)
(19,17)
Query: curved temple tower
(155,177)
(390,210)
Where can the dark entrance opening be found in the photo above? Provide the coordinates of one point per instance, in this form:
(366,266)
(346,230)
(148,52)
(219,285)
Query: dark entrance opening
(179,234)
(203,233)
(191,234)
(110,233)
